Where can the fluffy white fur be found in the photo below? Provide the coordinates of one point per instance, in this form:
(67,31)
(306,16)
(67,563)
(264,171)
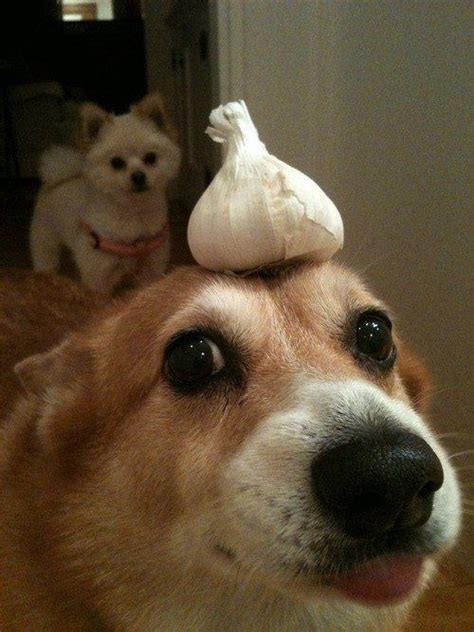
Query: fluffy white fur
(82,185)
(59,164)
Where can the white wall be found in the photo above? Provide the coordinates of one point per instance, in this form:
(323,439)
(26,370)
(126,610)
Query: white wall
(372,99)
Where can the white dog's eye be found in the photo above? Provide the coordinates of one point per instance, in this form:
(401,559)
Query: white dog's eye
(150,158)
(117,163)
(192,359)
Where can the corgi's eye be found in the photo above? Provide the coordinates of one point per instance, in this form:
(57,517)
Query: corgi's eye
(117,163)
(192,359)
(374,337)
(150,158)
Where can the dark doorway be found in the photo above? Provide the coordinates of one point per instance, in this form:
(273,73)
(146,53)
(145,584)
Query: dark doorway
(54,55)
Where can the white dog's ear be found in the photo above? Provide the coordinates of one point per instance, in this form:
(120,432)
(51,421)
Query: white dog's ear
(153,107)
(93,118)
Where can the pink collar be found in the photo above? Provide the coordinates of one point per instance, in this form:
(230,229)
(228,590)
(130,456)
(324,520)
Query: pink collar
(138,249)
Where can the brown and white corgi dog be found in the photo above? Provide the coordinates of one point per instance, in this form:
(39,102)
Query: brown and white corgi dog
(219,453)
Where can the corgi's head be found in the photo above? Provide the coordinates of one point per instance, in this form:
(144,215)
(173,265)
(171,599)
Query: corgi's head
(265,432)
(130,156)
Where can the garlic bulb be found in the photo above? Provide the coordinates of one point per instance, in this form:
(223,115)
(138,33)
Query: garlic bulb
(258,210)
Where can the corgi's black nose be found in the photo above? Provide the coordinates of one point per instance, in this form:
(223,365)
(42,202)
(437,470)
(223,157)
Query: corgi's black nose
(138,180)
(378,483)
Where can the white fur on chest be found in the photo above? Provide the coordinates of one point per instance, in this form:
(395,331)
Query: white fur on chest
(76,200)
(59,221)
(141,218)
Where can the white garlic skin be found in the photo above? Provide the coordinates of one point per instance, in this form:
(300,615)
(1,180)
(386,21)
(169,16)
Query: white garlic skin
(258,211)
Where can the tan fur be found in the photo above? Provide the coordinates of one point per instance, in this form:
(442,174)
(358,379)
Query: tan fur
(416,379)
(102,465)
(36,313)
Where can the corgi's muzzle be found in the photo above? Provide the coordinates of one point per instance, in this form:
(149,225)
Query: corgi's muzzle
(346,490)
(379,483)
(379,486)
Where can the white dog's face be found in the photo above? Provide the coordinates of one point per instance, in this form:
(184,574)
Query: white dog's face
(270,432)
(130,156)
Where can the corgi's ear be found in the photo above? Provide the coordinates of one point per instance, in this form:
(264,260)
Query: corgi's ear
(153,108)
(415,377)
(93,118)
(63,366)
(34,372)
(60,366)
(57,383)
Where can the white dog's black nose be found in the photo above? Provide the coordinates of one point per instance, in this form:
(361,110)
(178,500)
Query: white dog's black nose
(138,180)
(381,482)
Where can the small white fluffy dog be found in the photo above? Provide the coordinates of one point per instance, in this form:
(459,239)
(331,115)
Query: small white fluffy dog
(106,200)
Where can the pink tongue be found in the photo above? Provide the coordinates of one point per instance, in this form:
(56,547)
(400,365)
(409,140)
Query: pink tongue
(385,579)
